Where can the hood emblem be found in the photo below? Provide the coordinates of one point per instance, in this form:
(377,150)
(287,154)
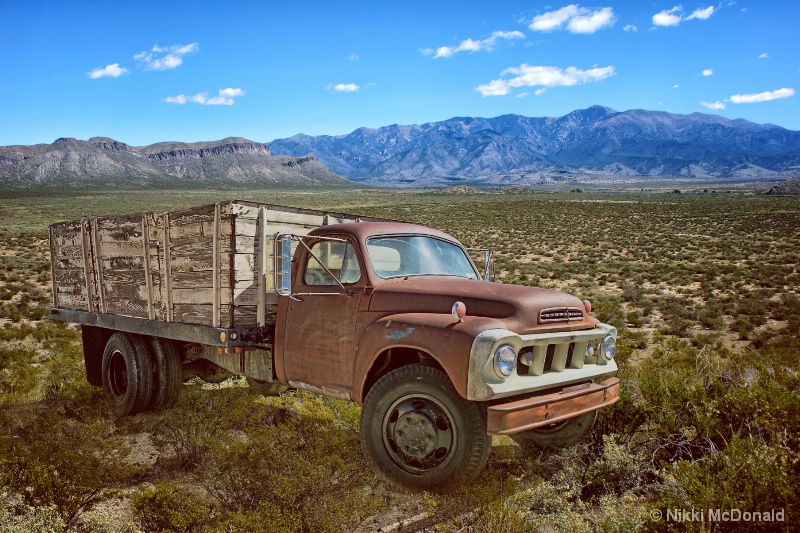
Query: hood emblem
(560,314)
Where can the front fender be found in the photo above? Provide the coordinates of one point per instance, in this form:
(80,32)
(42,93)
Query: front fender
(446,339)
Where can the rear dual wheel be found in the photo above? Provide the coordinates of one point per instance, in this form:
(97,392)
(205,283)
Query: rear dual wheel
(140,374)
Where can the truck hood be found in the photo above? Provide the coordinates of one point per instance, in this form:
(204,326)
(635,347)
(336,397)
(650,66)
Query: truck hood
(517,306)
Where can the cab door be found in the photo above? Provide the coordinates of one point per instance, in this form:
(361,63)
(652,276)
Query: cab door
(320,320)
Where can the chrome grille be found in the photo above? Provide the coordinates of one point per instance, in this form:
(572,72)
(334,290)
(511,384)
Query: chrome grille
(560,314)
(555,357)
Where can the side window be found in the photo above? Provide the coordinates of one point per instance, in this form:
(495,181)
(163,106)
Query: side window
(338,257)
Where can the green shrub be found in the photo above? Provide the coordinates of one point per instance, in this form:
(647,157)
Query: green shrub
(757,477)
(170,507)
(309,469)
(42,519)
(610,311)
(64,463)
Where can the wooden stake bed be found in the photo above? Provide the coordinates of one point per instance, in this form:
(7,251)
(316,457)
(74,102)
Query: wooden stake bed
(208,265)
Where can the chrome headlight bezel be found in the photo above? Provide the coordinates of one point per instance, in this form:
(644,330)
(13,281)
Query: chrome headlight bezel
(505,361)
(609,344)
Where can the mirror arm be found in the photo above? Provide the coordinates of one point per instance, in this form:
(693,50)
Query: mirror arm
(331,274)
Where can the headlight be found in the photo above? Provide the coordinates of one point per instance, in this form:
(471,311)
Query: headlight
(505,359)
(609,347)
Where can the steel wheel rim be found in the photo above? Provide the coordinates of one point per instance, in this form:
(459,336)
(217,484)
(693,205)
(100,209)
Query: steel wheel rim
(117,375)
(419,433)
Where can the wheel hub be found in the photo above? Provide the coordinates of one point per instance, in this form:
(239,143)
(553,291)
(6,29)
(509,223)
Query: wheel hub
(415,434)
(418,433)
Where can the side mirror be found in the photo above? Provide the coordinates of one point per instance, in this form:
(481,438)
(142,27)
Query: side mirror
(282,256)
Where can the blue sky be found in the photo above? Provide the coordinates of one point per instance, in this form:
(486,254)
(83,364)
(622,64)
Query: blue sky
(146,72)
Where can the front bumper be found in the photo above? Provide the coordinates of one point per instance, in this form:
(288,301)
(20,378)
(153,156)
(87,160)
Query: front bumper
(530,413)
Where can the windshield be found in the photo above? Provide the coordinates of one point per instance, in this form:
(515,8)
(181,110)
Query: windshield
(418,255)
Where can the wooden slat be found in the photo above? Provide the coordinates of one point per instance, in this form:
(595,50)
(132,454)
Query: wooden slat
(72,263)
(121,249)
(74,289)
(199,314)
(78,302)
(202,279)
(126,306)
(192,296)
(287,216)
(245,315)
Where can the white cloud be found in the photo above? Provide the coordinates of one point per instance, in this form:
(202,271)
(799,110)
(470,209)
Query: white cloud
(344,87)
(539,92)
(179,100)
(223,97)
(109,71)
(470,45)
(761,97)
(674,16)
(763,56)
(353,57)
(542,76)
(575,19)
(675,86)
(708,72)
(592,22)
(553,20)
(669,17)
(713,105)
(630,27)
(701,14)
(165,57)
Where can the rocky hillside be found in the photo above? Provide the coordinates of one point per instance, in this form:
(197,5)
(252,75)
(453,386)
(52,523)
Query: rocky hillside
(101,161)
(790,186)
(597,141)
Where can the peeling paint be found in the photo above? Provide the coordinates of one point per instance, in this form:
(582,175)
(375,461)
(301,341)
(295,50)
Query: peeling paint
(397,335)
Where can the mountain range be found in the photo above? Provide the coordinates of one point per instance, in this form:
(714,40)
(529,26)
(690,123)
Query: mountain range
(597,142)
(594,144)
(101,161)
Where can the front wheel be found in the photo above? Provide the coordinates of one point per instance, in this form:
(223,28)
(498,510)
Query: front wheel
(419,433)
(560,434)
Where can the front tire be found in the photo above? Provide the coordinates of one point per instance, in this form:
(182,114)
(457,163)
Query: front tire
(419,433)
(558,435)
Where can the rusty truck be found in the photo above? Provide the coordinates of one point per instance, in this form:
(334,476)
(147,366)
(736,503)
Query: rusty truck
(396,317)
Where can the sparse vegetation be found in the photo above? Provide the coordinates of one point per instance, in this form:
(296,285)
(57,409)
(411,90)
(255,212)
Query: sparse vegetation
(703,288)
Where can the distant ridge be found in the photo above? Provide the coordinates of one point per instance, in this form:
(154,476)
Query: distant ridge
(595,142)
(102,161)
